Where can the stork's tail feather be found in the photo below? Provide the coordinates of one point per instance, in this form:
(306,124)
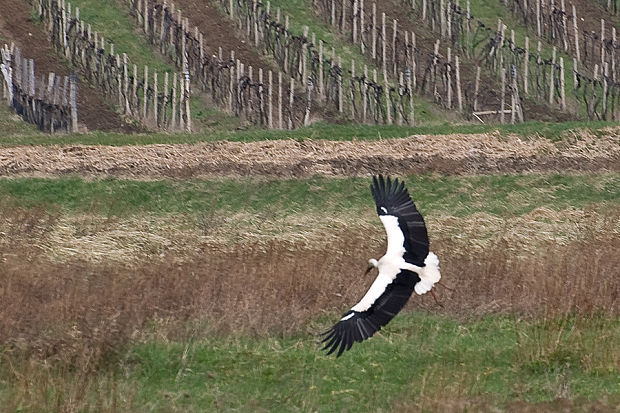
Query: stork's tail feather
(429,275)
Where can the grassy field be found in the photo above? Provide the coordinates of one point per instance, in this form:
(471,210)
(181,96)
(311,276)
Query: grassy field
(422,362)
(552,131)
(501,195)
(532,322)
(192,295)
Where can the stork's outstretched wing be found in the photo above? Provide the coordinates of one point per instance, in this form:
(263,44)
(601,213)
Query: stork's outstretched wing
(357,326)
(407,245)
(392,199)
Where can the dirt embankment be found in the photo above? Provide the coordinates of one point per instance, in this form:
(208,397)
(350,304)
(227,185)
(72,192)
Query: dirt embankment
(449,154)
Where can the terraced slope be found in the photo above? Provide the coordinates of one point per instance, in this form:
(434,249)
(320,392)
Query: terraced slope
(17,26)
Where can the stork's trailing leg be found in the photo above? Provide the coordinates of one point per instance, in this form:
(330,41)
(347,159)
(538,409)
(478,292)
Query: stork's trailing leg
(445,286)
(436,300)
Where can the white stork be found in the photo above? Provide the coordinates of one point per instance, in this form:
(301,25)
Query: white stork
(407,266)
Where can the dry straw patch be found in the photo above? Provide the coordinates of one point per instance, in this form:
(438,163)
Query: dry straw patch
(453,154)
(77,288)
(95,238)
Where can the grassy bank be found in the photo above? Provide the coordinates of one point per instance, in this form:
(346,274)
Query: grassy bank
(552,131)
(504,195)
(420,362)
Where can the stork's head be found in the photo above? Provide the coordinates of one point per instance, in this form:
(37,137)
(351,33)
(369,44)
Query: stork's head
(372,263)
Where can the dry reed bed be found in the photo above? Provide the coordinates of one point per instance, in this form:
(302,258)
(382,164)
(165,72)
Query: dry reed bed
(454,154)
(81,310)
(129,240)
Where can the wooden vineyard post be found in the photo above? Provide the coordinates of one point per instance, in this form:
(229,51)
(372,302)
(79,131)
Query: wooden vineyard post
(476,88)
(387,99)
(340,100)
(551,80)
(352,90)
(355,15)
(146,87)
(362,27)
(526,65)
(321,85)
(394,61)
(309,88)
(434,74)
(146,17)
(280,120)
(126,83)
(261,95)
(469,46)
(513,96)
(304,57)
(442,17)
(575,75)
(162,25)
(564,26)
(538,22)
(602,36)
(365,96)
(414,82)
(538,64)
(286,45)
(164,105)
(343,20)
(181,93)
(503,96)
(410,88)
(605,72)
(614,45)
(459,95)
(449,79)
(231,82)
(155,102)
(374,30)
(134,94)
(383,45)
(576,34)
(562,90)
(173,121)
(290,104)
(401,82)
(270,101)
(73,103)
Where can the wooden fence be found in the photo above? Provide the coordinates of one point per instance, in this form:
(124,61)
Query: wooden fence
(560,26)
(48,101)
(231,85)
(521,70)
(312,81)
(138,94)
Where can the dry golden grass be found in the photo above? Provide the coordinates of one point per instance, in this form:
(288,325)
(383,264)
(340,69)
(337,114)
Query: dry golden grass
(80,307)
(579,150)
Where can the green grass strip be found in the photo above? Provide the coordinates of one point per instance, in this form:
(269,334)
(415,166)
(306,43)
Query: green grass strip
(224,131)
(420,359)
(502,195)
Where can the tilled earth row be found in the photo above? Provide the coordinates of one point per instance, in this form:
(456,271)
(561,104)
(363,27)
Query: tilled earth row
(446,154)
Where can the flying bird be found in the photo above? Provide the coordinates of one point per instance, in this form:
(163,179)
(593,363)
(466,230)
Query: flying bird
(407,266)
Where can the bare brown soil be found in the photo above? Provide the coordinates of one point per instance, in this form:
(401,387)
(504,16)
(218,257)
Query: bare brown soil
(16,26)
(450,154)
